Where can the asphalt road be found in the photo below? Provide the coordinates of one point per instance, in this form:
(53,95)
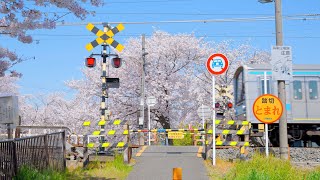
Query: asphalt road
(157,163)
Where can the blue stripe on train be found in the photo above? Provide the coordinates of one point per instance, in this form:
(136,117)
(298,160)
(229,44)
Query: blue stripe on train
(288,107)
(294,73)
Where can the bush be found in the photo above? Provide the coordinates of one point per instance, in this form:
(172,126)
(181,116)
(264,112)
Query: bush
(271,168)
(186,141)
(314,175)
(28,173)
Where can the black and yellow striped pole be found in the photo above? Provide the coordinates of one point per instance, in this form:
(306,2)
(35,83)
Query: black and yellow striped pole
(105,39)
(104,117)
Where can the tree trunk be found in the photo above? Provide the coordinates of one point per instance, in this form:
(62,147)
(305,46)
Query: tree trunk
(165,123)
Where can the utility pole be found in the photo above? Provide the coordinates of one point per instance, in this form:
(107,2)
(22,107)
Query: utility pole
(141,118)
(283,134)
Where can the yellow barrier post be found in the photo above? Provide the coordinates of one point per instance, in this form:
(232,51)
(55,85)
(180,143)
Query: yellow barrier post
(177,174)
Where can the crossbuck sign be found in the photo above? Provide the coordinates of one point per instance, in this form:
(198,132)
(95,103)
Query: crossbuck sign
(105,37)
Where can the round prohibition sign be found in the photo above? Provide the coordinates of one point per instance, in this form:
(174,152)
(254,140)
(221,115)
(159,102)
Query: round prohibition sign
(217,64)
(267,108)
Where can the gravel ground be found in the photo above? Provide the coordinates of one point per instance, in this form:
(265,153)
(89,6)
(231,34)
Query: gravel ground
(298,156)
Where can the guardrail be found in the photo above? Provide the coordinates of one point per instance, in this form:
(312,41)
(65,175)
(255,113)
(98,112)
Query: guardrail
(40,152)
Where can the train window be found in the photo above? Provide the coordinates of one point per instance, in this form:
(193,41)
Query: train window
(239,88)
(313,90)
(297,90)
(268,87)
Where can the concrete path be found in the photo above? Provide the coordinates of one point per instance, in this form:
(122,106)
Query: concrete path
(157,163)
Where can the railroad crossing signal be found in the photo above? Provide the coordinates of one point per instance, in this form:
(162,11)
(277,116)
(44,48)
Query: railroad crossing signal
(105,37)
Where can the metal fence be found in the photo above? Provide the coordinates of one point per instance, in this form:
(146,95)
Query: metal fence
(40,152)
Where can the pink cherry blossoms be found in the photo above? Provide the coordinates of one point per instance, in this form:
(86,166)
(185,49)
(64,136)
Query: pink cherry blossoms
(19,17)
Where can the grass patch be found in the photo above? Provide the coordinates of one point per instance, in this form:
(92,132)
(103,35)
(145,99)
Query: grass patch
(220,170)
(260,168)
(28,173)
(116,169)
(186,141)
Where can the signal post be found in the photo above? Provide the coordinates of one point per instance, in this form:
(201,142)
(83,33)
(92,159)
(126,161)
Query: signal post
(105,39)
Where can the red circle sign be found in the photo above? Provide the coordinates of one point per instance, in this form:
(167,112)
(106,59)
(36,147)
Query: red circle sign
(217,64)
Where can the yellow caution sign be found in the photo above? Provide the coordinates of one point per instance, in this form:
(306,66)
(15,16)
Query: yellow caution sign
(175,135)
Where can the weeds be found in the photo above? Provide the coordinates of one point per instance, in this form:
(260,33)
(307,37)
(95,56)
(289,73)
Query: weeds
(116,169)
(261,168)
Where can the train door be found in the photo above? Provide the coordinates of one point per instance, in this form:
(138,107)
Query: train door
(312,94)
(299,99)
(305,100)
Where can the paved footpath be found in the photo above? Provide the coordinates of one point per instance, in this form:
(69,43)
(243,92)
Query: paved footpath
(157,163)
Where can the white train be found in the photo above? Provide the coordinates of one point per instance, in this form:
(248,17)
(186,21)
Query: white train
(302,102)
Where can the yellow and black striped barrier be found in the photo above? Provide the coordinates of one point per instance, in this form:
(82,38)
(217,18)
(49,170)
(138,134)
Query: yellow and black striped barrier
(103,122)
(107,145)
(167,130)
(102,133)
(226,131)
(229,143)
(230,122)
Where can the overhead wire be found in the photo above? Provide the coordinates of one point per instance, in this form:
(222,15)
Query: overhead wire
(262,18)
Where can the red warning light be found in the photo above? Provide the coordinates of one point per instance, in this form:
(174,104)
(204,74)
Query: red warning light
(116,62)
(217,105)
(90,62)
(230,105)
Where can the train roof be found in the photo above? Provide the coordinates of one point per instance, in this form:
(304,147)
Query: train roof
(294,66)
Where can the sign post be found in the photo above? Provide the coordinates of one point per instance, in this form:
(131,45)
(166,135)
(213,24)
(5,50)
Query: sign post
(268,109)
(204,112)
(266,128)
(151,101)
(216,64)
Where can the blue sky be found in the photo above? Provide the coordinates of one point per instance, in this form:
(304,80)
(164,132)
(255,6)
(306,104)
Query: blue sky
(59,53)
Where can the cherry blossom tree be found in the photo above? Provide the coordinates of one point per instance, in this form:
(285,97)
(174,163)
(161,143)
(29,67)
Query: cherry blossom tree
(8,85)
(19,17)
(175,75)
(55,110)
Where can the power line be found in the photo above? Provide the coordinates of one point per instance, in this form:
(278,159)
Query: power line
(204,36)
(170,13)
(191,14)
(132,2)
(145,1)
(266,18)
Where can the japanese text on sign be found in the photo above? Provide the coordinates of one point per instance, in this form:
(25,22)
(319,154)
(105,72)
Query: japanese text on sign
(267,108)
(281,62)
(175,135)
